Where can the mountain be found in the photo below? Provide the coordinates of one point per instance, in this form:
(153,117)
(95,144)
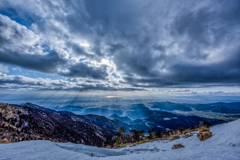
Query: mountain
(144,118)
(156,119)
(125,119)
(220,107)
(178,121)
(103,111)
(31,122)
(169,106)
(224,144)
(101,121)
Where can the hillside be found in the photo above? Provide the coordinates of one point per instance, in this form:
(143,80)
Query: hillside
(32,122)
(224,144)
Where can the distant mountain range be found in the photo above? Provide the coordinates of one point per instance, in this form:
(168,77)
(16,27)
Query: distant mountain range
(219,107)
(232,108)
(124,119)
(30,121)
(158,115)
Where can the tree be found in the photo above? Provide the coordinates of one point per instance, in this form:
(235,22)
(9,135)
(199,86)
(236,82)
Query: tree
(137,134)
(123,130)
(120,132)
(159,134)
(152,134)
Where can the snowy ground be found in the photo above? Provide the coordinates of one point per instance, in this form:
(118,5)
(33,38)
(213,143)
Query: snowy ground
(224,144)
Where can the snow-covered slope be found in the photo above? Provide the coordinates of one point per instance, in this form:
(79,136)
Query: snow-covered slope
(224,144)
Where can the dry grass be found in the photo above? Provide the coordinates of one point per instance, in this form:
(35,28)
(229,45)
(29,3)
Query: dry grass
(173,137)
(108,146)
(189,131)
(119,146)
(176,146)
(187,135)
(203,129)
(5,141)
(136,143)
(204,135)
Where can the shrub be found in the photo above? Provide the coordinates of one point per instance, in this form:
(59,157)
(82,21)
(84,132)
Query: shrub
(176,146)
(204,135)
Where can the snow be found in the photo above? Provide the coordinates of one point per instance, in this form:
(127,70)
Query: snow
(224,144)
(166,119)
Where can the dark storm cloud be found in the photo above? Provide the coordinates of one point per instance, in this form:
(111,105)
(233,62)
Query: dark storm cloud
(92,88)
(52,62)
(44,63)
(82,70)
(21,82)
(207,27)
(151,43)
(198,34)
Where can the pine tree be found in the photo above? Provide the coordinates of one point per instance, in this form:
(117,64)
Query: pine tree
(120,132)
(159,134)
(137,134)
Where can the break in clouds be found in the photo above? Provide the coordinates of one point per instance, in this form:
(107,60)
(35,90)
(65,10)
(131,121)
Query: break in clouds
(119,45)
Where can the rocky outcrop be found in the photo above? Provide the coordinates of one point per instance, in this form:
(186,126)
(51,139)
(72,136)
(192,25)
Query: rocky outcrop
(32,122)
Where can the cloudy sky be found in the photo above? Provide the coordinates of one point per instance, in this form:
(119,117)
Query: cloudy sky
(120,47)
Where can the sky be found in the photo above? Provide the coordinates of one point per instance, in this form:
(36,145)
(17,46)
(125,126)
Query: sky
(120,48)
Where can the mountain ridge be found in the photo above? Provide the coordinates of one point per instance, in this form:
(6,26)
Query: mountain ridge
(32,122)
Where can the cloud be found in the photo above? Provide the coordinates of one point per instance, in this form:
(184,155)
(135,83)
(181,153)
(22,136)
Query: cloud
(21,47)
(3,69)
(18,83)
(146,44)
